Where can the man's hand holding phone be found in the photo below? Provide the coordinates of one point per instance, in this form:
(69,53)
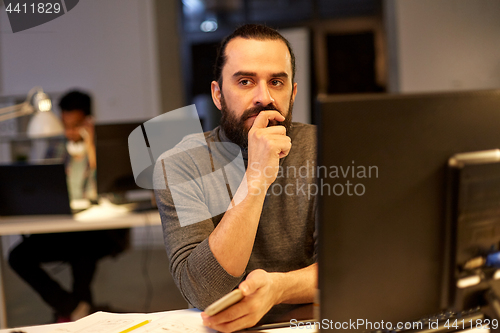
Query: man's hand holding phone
(260,293)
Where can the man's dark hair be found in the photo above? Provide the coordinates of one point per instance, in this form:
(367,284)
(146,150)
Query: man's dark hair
(76,100)
(249,31)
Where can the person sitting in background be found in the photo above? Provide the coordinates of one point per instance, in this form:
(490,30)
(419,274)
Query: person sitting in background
(81,250)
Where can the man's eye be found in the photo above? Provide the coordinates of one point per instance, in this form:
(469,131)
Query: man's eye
(276,82)
(245,82)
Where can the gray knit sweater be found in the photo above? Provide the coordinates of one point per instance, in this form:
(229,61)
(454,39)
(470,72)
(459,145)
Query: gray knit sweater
(192,196)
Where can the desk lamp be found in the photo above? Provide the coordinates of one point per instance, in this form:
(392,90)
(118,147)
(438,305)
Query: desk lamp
(44,122)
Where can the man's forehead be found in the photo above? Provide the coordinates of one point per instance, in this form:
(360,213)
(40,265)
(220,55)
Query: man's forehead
(73,115)
(252,54)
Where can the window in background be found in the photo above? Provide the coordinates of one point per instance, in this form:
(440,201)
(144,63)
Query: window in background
(347,8)
(265,11)
(351,63)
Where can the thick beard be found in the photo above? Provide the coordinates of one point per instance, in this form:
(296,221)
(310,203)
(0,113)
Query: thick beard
(234,128)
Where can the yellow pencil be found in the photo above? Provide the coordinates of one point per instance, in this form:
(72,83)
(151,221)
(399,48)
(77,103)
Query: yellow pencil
(136,326)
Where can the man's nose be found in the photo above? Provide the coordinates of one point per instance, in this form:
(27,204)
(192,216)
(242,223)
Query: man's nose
(263,95)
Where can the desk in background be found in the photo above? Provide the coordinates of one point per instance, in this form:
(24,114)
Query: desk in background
(95,218)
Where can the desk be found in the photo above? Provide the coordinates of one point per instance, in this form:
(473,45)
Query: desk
(95,218)
(191,316)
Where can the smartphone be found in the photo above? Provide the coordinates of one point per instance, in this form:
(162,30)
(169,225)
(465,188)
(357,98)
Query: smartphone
(223,303)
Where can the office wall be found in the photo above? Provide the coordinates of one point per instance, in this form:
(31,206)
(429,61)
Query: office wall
(437,45)
(168,44)
(106,47)
(299,39)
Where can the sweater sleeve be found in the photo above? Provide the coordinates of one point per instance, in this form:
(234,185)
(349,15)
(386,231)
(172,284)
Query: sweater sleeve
(195,270)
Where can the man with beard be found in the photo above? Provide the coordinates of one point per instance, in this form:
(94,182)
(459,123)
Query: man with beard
(264,243)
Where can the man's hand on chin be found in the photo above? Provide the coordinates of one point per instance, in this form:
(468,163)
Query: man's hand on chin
(260,292)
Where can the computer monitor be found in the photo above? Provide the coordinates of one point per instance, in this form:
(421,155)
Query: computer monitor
(33,189)
(382,215)
(474,229)
(114,172)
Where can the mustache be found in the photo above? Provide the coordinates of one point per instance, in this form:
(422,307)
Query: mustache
(248,113)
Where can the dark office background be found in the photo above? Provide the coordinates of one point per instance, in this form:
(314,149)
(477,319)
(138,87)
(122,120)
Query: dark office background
(350,65)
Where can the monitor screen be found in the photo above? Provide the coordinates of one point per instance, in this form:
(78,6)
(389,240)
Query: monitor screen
(33,189)
(382,184)
(114,171)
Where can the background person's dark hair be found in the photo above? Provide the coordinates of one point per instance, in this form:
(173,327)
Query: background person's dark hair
(249,31)
(76,100)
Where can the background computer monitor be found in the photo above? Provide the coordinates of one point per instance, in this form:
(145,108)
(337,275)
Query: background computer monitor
(33,189)
(114,171)
(382,250)
(474,229)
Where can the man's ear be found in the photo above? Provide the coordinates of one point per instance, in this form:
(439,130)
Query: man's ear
(216,94)
(294,91)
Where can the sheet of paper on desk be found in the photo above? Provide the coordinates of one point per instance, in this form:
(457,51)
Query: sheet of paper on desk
(102,211)
(182,321)
(104,322)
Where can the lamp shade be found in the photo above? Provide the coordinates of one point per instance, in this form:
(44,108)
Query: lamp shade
(44,124)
